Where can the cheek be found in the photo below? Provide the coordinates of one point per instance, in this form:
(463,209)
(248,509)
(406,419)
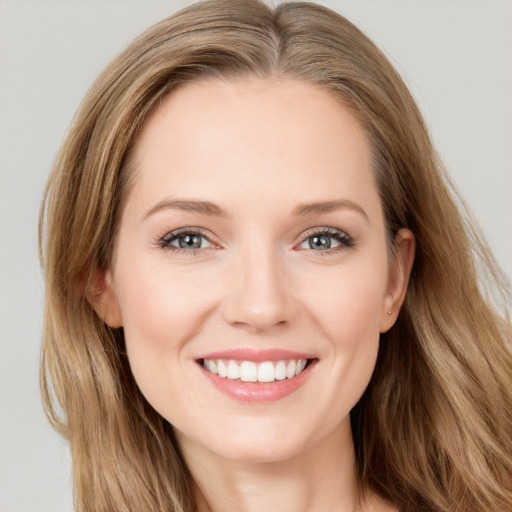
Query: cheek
(162,311)
(348,316)
(347,303)
(160,303)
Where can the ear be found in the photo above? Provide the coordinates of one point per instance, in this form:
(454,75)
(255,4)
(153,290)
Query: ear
(398,279)
(100,294)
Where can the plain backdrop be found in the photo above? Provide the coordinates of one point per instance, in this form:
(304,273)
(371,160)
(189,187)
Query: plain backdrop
(455,55)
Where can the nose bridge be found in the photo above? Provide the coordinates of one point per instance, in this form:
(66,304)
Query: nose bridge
(257,294)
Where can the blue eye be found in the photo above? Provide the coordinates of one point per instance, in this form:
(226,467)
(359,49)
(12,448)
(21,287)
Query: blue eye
(190,242)
(321,242)
(326,240)
(185,240)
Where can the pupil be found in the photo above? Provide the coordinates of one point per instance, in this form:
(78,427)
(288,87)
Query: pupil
(190,242)
(320,242)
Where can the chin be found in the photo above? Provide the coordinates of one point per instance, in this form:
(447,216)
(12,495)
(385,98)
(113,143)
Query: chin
(254,440)
(256,451)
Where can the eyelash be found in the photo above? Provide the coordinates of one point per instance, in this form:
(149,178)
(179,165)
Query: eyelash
(345,241)
(166,240)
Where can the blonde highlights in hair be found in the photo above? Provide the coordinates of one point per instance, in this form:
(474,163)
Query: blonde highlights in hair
(433,429)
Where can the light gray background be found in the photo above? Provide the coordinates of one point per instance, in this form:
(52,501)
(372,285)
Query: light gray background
(455,55)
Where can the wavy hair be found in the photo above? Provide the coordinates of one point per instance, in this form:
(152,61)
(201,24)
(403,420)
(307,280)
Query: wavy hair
(433,429)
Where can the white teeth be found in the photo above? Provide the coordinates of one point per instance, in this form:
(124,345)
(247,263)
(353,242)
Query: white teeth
(221,369)
(233,371)
(210,365)
(290,369)
(281,370)
(266,372)
(248,371)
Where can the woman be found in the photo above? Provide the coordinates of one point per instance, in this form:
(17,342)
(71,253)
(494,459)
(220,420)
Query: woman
(260,291)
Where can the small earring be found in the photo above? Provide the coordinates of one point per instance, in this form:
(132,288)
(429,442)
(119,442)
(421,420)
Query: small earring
(389,312)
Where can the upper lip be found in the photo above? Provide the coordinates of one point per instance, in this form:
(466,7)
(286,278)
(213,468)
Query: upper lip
(257,355)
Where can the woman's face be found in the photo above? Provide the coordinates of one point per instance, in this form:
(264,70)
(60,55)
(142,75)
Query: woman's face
(253,239)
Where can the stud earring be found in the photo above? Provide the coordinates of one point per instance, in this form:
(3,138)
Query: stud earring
(389,312)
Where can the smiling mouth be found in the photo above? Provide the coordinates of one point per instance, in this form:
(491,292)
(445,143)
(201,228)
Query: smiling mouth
(250,371)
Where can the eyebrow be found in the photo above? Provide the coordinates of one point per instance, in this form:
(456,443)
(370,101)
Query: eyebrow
(214,210)
(327,207)
(203,207)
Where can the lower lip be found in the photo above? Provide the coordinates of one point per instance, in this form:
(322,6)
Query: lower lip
(259,392)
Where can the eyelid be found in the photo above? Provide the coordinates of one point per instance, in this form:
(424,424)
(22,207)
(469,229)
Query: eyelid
(165,240)
(345,240)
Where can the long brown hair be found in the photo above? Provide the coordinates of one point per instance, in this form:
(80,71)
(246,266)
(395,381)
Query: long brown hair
(433,429)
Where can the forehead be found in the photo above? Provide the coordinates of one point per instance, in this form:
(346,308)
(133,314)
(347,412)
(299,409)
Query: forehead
(253,136)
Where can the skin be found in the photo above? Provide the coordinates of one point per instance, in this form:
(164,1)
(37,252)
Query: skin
(258,149)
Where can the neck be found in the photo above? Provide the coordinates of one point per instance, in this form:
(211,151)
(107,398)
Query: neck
(319,478)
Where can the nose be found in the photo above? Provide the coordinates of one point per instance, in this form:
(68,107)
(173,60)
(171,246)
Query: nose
(258,294)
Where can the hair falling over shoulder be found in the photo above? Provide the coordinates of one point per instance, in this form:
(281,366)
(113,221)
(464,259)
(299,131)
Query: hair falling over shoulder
(433,430)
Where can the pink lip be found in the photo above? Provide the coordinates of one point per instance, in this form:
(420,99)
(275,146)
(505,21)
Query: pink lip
(257,356)
(258,392)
